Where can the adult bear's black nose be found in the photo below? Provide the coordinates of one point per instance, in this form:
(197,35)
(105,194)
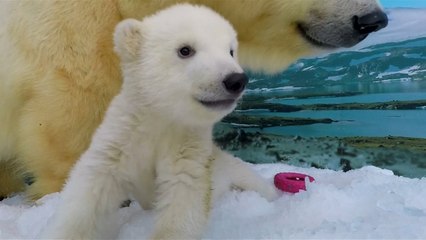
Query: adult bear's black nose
(370,23)
(235,82)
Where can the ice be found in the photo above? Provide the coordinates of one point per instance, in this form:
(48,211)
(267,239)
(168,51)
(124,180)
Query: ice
(366,203)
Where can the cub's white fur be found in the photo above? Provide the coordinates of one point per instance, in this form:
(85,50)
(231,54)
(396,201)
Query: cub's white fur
(155,143)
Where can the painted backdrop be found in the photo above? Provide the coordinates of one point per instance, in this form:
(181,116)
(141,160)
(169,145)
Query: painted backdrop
(362,106)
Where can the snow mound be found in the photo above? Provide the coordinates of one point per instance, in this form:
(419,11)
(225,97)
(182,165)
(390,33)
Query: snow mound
(364,203)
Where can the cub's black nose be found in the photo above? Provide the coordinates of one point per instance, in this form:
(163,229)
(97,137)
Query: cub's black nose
(371,22)
(235,82)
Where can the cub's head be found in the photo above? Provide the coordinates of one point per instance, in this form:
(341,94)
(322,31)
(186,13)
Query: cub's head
(181,64)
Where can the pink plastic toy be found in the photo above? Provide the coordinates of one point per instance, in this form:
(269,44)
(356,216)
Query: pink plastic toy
(291,182)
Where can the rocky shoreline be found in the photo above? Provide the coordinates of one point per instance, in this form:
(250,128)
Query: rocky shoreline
(392,105)
(250,121)
(404,156)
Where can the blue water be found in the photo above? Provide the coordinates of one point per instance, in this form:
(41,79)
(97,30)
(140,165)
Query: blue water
(378,123)
(364,98)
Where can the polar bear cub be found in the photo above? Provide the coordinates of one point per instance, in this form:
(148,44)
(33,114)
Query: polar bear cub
(155,144)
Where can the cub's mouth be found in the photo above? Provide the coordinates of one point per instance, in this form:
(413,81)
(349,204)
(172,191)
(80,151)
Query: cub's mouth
(223,104)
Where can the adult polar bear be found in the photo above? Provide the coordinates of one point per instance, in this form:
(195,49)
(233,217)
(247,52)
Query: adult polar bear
(58,72)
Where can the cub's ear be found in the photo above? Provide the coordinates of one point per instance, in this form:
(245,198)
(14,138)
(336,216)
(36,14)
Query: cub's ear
(128,39)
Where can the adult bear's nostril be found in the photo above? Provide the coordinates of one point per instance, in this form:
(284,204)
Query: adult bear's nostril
(235,82)
(370,23)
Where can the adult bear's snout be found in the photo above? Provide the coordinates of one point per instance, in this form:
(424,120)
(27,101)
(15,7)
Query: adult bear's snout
(371,22)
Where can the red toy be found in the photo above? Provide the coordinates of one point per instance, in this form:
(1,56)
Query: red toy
(291,182)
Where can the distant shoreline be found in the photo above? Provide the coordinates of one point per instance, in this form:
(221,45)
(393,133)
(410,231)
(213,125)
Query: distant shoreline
(243,118)
(389,142)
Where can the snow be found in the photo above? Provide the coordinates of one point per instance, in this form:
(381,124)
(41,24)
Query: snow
(368,203)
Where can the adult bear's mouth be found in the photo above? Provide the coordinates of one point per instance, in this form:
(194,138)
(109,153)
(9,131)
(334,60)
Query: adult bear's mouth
(218,104)
(303,30)
(323,33)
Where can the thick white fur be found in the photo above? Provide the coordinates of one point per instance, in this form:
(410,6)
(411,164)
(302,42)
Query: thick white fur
(155,143)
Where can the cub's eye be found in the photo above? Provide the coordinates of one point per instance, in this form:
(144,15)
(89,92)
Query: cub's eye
(186,52)
(231,52)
